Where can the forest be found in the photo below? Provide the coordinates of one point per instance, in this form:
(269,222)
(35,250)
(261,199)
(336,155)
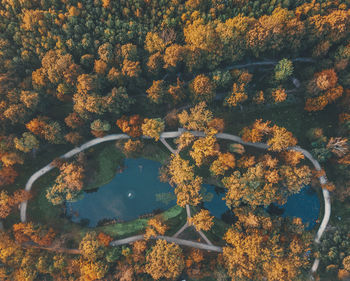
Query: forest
(272,74)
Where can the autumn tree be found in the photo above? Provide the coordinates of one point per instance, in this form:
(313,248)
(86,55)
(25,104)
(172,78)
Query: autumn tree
(237,96)
(278,138)
(323,89)
(165,260)
(93,270)
(91,247)
(202,37)
(11,158)
(197,119)
(24,232)
(259,97)
(260,251)
(155,227)
(217,124)
(46,128)
(155,63)
(177,92)
(7,175)
(131,125)
(99,127)
(5,204)
(153,128)
(156,93)
(9,202)
(154,43)
(184,140)
(224,162)
(281,139)
(258,181)
(105,52)
(73,138)
(202,220)
(73,120)
(27,143)
(279,95)
(67,185)
(202,88)
(187,185)
(174,55)
(131,69)
(132,147)
(204,148)
(104,239)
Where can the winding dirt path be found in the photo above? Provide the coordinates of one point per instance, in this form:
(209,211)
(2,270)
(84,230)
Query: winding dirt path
(175,134)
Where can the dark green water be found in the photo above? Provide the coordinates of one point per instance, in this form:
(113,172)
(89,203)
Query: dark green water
(137,191)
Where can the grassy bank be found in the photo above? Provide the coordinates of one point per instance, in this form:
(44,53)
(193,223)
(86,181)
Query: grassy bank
(103,161)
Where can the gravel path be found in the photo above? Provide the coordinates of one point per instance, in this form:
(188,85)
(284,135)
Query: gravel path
(171,240)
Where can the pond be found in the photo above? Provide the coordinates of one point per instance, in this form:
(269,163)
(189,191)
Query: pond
(304,205)
(131,194)
(137,191)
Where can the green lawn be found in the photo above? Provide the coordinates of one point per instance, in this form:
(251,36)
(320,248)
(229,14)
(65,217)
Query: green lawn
(103,162)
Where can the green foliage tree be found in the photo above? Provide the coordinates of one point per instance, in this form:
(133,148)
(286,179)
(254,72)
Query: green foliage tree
(283,69)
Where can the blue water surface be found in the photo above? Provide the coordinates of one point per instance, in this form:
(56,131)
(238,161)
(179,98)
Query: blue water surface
(136,191)
(129,195)
(304,205)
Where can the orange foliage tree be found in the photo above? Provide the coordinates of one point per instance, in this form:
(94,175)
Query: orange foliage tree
(156,93)
(104,239)
(25,232)
(278,138)
(259,250)
(198,118)
(202,88)
(224,162)
(67,185)
(323,90)
(132,147)
(202,220)
(8,203)
(155,227)
(131,125)
(259,183)
(7,175)
(279,95)
(188,185)
(237,96)
(204,148)
(165,260)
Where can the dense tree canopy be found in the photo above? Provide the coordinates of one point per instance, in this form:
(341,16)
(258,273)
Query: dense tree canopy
(71,71)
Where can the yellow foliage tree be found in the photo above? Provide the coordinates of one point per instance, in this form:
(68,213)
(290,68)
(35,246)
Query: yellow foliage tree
(198,118)
(203,148)
(155,227)
(154,43)
(237,96)
(165,260)
(153,127)
(202,88)
(202,220)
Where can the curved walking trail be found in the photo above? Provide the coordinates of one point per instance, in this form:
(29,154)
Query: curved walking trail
(175,134)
